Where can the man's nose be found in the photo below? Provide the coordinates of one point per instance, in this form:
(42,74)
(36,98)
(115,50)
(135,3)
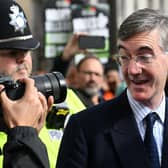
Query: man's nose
(134,67)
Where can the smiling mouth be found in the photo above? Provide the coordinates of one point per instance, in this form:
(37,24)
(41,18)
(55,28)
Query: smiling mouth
(139,82)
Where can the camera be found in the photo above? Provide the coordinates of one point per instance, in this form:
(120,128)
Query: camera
(50,84)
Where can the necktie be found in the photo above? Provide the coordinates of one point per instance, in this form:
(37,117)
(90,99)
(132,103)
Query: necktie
(150,142)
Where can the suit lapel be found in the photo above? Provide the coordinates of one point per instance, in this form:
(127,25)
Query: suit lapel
(165,140)
(127,140)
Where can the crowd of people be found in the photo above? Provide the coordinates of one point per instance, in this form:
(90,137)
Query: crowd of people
(99,82)
(103,121)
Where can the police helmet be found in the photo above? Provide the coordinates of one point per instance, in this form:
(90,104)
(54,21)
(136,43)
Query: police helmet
(15,32)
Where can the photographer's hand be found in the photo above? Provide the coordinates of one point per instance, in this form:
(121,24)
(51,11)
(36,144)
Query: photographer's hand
(30,110)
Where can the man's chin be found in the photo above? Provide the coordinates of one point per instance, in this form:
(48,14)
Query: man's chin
(91,92)
(140,96)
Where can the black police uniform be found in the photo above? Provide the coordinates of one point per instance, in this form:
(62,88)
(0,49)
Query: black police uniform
(24,149)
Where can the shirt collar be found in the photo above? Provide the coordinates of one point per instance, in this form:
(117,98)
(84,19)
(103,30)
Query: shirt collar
(140,111)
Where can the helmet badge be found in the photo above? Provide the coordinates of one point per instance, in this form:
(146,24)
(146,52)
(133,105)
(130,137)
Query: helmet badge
(18,20)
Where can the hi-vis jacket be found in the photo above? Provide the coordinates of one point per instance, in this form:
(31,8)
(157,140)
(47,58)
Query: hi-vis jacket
(51,137)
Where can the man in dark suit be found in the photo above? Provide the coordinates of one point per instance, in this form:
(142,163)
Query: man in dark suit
(118,133)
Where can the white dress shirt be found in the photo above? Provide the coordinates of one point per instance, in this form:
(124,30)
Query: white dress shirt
(140,112)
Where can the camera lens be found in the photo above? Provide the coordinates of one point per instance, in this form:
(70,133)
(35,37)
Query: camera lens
(52,84)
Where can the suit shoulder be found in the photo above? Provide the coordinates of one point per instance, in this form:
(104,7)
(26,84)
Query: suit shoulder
(104,114)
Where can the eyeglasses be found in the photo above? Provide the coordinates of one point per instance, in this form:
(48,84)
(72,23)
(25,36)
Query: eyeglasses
(141,59)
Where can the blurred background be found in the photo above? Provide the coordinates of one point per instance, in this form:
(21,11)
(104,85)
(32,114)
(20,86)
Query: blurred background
(54,21)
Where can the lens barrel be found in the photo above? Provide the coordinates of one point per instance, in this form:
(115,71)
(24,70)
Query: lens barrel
(52,84)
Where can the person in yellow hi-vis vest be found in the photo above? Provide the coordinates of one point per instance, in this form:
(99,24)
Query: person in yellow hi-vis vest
(52,133)
(16,43)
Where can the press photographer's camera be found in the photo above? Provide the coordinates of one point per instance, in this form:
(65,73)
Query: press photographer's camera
(50,84)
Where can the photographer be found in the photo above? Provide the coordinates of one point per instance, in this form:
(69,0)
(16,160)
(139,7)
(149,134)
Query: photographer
(22,116)
(23,147)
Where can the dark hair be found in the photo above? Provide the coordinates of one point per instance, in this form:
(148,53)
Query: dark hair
(110,66)
(145,20)
(87,56)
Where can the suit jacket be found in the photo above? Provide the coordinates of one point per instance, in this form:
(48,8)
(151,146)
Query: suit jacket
(106,136)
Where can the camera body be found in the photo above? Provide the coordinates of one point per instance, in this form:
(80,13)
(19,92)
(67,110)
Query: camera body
(50,84)
(14,89)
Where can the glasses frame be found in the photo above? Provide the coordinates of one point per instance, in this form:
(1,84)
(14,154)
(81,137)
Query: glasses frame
(142,59)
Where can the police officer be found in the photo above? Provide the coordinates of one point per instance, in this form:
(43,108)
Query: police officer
(16,42)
